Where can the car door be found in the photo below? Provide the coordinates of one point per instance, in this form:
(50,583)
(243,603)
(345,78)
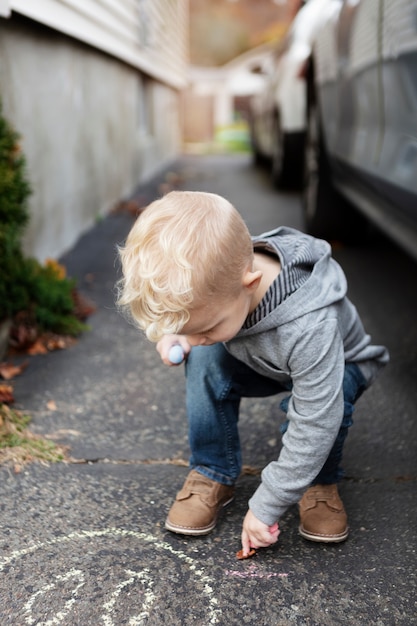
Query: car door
(397,164)
(365,80)
(359,85)
(377,102)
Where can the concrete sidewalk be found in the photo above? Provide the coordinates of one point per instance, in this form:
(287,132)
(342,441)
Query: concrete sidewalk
(83,543)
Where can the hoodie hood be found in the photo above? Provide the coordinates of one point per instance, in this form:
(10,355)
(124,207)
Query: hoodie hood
(310,279)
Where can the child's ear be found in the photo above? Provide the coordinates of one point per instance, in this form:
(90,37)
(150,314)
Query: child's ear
(251,280)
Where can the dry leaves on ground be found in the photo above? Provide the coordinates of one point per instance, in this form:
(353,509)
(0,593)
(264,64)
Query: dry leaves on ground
(8,371)
(6,394)
(19,446)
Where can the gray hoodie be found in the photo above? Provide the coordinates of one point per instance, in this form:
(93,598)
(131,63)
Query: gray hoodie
(304,330)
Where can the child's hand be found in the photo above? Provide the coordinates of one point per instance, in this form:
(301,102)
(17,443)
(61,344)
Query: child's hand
(165,344)
(256,534)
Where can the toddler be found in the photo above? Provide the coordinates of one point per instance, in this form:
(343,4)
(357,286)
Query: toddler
(254,317)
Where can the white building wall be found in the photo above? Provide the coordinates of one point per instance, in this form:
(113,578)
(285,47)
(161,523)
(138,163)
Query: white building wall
(92,125)
(148,34)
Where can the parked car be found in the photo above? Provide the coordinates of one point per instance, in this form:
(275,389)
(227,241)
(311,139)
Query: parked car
(361,145)
(278,111)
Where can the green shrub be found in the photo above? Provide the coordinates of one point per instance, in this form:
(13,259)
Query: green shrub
(50,297)
(14,188)
(26,285)
(14,193)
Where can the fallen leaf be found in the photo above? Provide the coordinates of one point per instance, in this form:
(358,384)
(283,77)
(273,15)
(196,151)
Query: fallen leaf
(23,333)
(37,348)
(6,394)
(131,207)
(9,371)
(83,307)
(55,343)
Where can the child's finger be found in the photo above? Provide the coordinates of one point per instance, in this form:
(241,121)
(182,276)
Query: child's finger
(246,544)
(274,532)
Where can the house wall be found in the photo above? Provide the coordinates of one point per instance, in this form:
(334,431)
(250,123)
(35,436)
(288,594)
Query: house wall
(151,35)
(92,125)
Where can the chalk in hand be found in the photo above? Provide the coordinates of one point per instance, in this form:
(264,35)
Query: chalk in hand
(240,555)
(176,354)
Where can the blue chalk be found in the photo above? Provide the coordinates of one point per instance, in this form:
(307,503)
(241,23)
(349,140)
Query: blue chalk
(176,354)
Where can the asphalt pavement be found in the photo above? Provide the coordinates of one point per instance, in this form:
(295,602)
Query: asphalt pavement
(83,543)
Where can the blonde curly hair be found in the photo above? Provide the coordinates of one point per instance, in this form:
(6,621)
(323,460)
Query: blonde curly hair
(186,248)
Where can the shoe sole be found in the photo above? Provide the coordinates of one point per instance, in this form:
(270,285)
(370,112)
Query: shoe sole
(323,538)
(189,530)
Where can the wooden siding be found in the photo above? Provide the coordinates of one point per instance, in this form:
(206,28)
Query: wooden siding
(151,35)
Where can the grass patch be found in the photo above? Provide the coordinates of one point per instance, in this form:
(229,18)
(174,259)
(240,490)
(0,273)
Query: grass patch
(234,137)
(19,446)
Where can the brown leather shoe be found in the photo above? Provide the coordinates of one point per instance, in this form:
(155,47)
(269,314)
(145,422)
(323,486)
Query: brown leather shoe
(197,505)
(322,515)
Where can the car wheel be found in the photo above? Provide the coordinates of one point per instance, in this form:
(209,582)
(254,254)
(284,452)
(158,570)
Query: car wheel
(318,192)
(257,156)
(258,159)
(327,214)
(287,159)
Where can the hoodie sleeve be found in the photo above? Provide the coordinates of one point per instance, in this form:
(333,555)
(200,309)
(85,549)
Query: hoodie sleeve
(316,365)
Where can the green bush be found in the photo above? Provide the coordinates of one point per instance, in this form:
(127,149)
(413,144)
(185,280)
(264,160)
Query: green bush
(14,193)
(50,298)
(25,285)
(14,188)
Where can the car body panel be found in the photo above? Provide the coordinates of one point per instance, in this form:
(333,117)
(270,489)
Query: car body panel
(365,72)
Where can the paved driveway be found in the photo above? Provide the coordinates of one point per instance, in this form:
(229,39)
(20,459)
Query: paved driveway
(83,543)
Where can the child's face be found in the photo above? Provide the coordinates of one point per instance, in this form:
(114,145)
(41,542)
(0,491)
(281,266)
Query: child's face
(218,321)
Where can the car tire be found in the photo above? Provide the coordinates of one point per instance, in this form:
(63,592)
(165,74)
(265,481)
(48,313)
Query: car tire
(287,158)
(327,214)
(258,158)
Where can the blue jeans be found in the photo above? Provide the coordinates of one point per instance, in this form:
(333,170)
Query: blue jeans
(215,384)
